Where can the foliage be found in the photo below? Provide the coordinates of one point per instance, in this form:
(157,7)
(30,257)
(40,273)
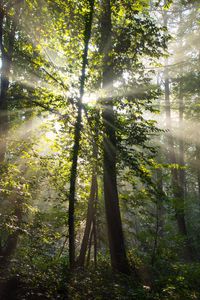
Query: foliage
(38,114)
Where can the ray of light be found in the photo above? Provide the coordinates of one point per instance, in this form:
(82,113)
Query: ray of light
(90,99)
(34,81)
(189,131)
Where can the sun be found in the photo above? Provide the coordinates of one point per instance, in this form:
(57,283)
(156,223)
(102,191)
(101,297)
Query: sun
(51,134)
(90,99)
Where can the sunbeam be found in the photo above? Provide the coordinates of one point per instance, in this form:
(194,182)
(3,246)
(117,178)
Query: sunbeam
(90,99)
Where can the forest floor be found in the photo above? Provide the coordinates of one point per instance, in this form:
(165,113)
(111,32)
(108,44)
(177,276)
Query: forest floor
(181,283)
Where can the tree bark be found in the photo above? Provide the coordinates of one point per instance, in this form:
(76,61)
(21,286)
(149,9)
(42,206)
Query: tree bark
(95,228)
(77,137)
(90,246)
(181,147)
(89,220)
(159,214)
(5,69)
(198,169)
(6,61)
(92,201)
(115,234)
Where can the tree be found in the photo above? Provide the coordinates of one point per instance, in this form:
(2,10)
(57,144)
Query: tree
(77,135)
(115,234)
(7,40)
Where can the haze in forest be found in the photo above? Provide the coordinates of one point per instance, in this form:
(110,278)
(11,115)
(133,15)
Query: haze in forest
(99,149)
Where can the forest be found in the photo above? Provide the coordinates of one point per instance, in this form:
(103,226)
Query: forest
(99,149)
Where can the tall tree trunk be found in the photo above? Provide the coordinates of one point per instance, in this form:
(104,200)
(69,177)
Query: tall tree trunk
(159,214)
(6,61)
(181,159)
(92,202)
(198,154)
(8,248)
(90,246)
(5,69)
(95,231)
(77,137)
(198,168)
(177,188)
(159,205)
(95,221)
(160,201)
(115,234)
(89,220)
(178,191)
